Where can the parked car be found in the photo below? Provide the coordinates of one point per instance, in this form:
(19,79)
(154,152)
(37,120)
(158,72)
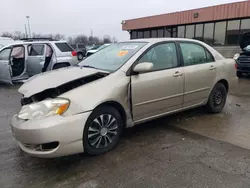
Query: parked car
(95,49)
(81,50)
(5,41)
(86,107)
(243,59)
(20,60)
(91,47)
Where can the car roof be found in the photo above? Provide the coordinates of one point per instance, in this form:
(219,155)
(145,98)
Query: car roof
(20,42)
(154,40)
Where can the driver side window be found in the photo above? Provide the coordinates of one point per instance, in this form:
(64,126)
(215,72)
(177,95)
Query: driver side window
(163,56)
(5,54)
(36,50)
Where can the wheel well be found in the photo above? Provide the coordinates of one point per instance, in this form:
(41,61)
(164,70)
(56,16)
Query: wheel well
(225,84)
(118,107)
(58,64)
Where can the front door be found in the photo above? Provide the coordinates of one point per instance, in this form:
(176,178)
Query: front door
(160,91)
(36,59)
(5,67)
(200,72)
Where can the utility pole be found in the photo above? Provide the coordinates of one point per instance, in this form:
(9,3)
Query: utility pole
(26,34)
(91,33)
(28,17)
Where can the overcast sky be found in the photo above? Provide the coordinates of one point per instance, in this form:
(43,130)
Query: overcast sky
(72,17)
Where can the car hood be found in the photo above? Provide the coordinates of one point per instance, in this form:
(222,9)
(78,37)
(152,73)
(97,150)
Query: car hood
(53,79)
(245,40)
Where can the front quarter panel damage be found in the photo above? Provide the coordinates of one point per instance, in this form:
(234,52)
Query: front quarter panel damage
(113,88)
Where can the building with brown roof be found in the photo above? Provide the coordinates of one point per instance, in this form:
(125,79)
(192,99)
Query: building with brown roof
(220,26)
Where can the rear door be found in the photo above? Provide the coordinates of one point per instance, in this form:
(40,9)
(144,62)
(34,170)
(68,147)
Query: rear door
(200,72)
(5,67)
(36,59)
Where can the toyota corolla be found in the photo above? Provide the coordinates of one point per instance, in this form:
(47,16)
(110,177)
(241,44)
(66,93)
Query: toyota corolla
(85,108)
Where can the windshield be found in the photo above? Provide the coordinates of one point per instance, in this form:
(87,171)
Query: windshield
(102,46)
(112,57)
(247,48)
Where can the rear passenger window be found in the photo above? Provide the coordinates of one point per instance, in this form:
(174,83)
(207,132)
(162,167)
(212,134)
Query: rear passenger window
(64,47)
(194,54)
(36,49)
(210,58)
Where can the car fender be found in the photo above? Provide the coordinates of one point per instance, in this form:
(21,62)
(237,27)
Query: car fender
(226,71)
(112,88)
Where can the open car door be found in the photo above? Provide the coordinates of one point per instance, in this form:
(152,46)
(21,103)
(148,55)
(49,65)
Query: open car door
(36,59)
(5,67)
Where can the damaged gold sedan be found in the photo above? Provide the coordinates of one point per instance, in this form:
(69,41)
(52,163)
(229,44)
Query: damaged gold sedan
(86,107)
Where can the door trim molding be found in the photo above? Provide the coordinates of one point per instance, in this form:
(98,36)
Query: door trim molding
(197,90)
(157,100)
(166,113)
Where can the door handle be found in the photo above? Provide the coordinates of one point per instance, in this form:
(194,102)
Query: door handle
(177,74)
(212,68)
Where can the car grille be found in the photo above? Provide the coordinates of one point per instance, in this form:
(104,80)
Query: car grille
(41,147)
(244,59)
(244,69)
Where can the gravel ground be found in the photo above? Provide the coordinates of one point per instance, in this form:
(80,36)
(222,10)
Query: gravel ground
(163,153)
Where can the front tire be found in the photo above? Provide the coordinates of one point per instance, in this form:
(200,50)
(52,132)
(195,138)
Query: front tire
(102,130)
(217,98)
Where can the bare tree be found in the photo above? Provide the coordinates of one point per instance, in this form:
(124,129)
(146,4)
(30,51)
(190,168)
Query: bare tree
(96,40)
(107,39)
(17,35)
(90,40)
(7,34)
(38,35)
(114,40)
(58,37)
(70,40)
(81,39)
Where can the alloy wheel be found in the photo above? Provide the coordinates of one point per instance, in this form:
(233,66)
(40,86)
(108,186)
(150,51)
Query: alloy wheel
(102,131)
(217,98)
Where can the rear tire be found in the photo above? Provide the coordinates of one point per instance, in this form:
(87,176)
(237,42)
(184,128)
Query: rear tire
(217,98)
(102,130)
(239,74)
(80,56)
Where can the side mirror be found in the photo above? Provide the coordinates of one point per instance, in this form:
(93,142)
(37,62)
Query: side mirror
(143,67)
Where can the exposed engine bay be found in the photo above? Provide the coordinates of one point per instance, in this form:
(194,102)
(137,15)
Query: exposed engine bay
(54,92)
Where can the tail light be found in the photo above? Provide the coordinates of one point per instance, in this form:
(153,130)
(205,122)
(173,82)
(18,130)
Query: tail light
(74,53)
(236,65)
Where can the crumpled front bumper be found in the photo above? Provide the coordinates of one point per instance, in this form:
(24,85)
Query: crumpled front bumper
(31,135)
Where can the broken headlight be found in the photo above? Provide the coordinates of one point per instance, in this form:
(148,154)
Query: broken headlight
(44,108)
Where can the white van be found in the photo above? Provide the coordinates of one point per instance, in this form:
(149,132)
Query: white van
(5,41)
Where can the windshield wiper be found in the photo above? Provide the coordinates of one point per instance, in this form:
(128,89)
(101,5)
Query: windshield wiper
(89,66)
